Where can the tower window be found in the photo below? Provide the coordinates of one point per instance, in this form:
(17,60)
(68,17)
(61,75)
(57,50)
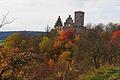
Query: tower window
(69,25)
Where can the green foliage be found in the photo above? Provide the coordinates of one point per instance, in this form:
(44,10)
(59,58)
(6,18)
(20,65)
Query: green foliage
(112,27)
(13,40)
(112,73)
(45,44)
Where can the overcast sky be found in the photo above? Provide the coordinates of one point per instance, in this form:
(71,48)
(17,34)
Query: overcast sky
(37,14)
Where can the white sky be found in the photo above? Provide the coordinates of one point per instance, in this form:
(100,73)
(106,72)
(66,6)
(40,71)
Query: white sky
(37,14)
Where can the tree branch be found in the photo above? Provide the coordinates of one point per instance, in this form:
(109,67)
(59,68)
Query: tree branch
(4,21)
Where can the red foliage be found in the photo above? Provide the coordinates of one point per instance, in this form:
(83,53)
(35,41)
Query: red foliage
(116,38)
(50,62)
(116,34)
(57,44)
(65,34)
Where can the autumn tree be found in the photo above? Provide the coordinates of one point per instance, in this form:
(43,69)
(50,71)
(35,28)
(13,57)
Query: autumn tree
(13,41)
(15,65)
(94,45)
(115,47)
(67,34)
(45,47)
(112,27)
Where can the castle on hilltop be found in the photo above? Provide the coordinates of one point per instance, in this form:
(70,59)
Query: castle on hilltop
(77,24)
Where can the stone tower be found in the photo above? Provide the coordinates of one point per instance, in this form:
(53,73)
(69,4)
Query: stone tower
(79,19)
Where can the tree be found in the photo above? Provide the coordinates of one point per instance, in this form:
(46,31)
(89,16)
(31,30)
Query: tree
(46,48)
(4,20)
(67,34)
(45,44)
(94,46)
(112,27)
(15,65)
(115,48)
(47,29)
(13,41)
(66,56)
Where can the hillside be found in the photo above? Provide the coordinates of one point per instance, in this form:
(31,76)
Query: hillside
(5,34)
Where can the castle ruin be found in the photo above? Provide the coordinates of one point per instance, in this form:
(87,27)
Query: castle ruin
(77,24)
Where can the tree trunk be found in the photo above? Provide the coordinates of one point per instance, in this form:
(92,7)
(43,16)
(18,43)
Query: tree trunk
(97,64)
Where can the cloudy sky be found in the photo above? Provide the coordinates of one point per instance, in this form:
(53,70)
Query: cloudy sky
(37,14)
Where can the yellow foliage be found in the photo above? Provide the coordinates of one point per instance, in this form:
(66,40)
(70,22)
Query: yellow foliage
(45,44)
(7,74)
(73,61)
(50,62)
(57,44)
(4,64)
(64,55)
(13,40)
(77,38)
(69,44)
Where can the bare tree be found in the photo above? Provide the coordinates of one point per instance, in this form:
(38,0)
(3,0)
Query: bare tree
(47,29)
(4,20)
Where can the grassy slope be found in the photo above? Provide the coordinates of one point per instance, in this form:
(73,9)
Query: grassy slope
(104,73)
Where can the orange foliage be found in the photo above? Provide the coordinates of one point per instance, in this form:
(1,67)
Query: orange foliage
(65,54)
(50,62)
(65,34)
(77,38)
(116,36)
(57,44)
(69,44)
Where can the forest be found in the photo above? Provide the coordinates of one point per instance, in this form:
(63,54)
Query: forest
(91,54)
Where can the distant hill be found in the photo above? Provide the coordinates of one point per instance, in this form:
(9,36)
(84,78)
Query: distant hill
(5,34)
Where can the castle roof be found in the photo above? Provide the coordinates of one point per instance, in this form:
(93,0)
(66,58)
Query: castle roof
(58,22)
